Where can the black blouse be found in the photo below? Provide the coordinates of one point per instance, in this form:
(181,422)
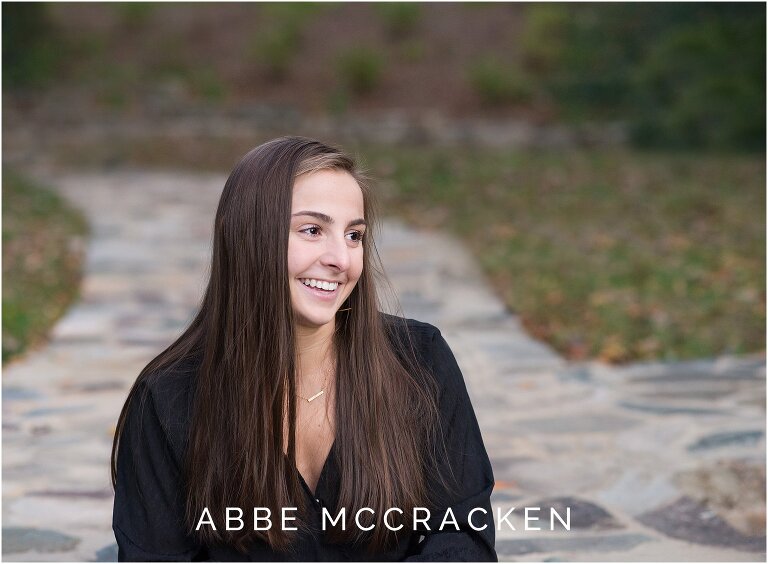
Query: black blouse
(148,508)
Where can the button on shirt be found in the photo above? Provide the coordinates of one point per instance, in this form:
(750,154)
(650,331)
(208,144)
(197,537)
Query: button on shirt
(149,501)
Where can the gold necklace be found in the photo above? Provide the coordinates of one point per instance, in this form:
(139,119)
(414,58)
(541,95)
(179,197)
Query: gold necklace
(318,394)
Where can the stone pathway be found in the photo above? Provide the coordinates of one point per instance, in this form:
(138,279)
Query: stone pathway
(635,452)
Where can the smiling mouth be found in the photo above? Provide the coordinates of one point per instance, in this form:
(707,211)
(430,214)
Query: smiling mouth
(322,285)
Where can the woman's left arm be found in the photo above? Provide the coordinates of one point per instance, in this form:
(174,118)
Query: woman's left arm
(468,469)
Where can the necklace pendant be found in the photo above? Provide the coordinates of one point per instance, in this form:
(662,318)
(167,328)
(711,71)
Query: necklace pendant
(317,395)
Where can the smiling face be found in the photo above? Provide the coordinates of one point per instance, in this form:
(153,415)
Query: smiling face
(325,248)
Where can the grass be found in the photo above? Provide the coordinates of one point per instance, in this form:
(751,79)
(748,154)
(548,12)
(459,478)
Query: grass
(610,255)
(614,255)
(42,258)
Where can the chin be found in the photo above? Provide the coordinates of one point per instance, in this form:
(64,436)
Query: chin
(313,313)
(315,319)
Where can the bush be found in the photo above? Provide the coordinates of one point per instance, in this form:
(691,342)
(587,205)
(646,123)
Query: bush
(31,48)
(682,75)
(499,84)
(134,15)
(586,77)
(400,18)
(540,40)
(277,48)
(360,69)
(279,45)
(696,88)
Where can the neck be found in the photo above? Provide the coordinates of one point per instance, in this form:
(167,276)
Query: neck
(315,351)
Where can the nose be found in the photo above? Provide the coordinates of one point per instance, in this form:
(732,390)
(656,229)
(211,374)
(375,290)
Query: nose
(336,253)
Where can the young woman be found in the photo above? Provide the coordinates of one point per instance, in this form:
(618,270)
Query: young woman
(292,420)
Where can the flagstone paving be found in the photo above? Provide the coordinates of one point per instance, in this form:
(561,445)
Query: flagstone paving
(656,461)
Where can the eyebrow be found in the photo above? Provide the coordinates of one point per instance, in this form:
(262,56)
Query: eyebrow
(328,219)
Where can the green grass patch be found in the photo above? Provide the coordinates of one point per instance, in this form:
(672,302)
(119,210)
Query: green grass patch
(611,255)
(43,242)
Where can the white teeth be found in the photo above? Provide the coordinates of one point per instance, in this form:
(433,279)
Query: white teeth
(324,285)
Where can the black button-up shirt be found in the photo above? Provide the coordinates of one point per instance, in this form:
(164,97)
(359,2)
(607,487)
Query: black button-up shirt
(149,504)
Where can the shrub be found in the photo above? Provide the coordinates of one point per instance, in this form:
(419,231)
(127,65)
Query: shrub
(360,69)
(279,45)
(541,40)
(696,88)
(134,15)
(682,75)
(277,49)
(31,46)
(400,18)
(499,84)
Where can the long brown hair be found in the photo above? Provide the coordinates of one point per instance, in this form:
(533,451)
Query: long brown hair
(243,334)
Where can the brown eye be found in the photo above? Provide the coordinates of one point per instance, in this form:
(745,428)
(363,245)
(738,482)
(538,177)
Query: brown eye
(313,230)
(355,236)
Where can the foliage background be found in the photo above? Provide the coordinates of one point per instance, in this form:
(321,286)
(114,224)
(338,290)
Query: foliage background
(682,75)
